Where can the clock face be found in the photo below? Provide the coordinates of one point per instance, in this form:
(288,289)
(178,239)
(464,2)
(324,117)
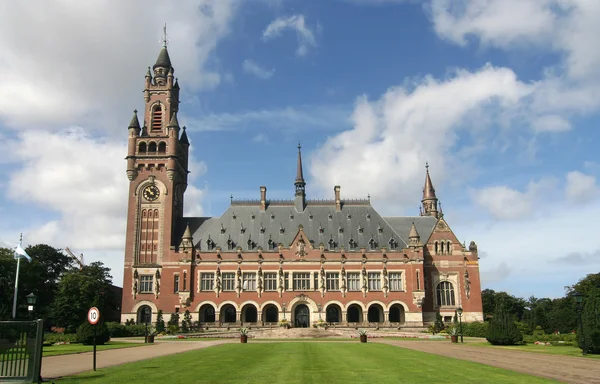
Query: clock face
(151,192)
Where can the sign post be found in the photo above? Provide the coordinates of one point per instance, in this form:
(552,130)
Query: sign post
(93,318)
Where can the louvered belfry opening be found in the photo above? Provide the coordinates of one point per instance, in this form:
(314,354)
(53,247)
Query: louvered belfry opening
(157,118)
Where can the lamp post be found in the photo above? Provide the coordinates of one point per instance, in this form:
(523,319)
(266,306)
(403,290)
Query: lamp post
(579,300)
(31,299)
(319,307)
(283,308)
(459,311)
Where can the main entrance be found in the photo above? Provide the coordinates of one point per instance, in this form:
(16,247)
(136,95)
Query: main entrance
(301,316)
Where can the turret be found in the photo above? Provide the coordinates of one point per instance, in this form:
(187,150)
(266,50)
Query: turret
(429,201)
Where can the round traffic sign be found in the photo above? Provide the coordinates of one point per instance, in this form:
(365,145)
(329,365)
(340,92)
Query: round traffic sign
(93,315)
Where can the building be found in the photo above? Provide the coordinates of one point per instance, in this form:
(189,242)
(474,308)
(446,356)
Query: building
(264,260)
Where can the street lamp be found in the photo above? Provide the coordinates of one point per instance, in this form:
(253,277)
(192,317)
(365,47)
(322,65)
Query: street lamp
(31,299)
(283,308)
(459,311)
(319,307)
(579,300)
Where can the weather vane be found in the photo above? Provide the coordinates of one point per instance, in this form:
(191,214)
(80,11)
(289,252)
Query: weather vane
(165,40)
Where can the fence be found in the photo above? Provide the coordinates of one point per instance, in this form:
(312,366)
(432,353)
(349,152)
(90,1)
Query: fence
(21,350)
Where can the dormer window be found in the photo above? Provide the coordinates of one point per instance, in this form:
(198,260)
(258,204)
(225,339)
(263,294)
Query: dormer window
(271,244)
(330,216)
(291,216)
(331,244)
(222,228)
(272,216)
(368,216)
(253,216)
(234,216)
(230,244)
(340,230)
(281,229)
(242,229)
(310,216)
(262,229)
(379,228)
(360,229)
(372,244)
(349,216)
(250,244)
(393,244)
(320,229)
(210,245)
(352,244)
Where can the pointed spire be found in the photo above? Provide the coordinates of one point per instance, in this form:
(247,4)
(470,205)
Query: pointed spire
(413,234)
(135,123)
(188,233)
(149,73)
(144,131)
(428,190)
(299,173)
(184,138)
(186,239)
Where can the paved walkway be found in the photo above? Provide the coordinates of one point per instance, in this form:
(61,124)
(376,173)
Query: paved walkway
(562,368)
(65,365)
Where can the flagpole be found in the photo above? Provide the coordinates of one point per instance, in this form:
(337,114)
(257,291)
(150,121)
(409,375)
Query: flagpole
(14,312)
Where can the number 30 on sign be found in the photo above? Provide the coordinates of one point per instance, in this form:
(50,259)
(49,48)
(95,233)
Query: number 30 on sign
(93,315)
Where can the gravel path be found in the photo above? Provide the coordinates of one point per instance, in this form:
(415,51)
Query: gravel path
(562,368)
(66,365)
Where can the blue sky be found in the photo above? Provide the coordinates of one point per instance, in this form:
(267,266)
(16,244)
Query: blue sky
(500,97)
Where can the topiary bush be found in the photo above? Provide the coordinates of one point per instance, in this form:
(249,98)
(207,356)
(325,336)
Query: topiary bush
(502,329)
(122,330)
(51,338)
(85,334)
(475,329)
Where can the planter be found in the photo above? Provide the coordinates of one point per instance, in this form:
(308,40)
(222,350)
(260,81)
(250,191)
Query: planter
(150,339)
(363,338)
(454,338)
(243,338)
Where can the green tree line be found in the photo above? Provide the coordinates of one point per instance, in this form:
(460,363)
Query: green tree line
(64,291)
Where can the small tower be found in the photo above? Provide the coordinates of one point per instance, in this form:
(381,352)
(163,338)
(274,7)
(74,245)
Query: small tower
(300,199)
(187,242)
(429,201)
(414,239)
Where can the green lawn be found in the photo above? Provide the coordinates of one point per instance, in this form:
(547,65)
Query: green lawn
(550,349)
(303,363)
(68,349)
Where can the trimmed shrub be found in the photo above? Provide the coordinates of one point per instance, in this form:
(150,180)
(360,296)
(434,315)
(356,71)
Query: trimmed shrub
(502,329)
(122,330)
(475,329)
(439,323)
(85,334)
(160,322)
(51,338)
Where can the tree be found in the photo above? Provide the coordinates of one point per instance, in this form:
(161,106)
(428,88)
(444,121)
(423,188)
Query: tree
(502,329)
(591,323)
(160,323)
(186,324)
(173,323)
(39,276)
(439,323)
(585,286)
(79,290)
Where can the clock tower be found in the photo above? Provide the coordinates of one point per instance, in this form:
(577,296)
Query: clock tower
(157,169)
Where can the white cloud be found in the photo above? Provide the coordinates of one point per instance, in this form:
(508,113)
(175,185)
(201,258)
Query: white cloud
(253,68)
(394,136)
(306,37)
(580,188)
(551,123)
(505,203)
(73,69)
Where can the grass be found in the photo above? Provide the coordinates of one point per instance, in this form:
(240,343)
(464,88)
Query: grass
(303,363)
(68,349)
(565,350)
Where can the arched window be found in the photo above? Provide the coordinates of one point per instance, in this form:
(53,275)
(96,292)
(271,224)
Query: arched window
(157,115)
(331,244)
(445,294)
(152,147)
(448,248)
(372,244)
(142,148)
(162,147)
(144,315)
(436,248)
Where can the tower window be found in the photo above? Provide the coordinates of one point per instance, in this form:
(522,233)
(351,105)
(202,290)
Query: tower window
(152,147)
(142,148)
(157,115)
(162,147)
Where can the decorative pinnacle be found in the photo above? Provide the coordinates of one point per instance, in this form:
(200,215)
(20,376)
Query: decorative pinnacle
(135,111)
(165,40)
(427,166)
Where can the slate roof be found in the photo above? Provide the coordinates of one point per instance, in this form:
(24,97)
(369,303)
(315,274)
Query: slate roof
(357,220)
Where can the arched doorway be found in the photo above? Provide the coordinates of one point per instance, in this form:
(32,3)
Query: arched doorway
(375,314)
(207,314)
(249,314)
(144,314)
(228,314)
(354,314)
(301,316)
(397,314)
(270,314)
(333,314)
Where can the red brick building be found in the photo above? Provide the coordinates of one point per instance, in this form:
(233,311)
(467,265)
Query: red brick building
(265,260)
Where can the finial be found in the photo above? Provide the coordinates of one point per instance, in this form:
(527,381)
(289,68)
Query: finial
(369,197)
(135,111)
(165,40)
(21,239)
(231,197)
(299,146)
(184,127)
(427,166)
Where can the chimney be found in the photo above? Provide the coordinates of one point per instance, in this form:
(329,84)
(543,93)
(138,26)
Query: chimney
(263,198)
(338,202)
